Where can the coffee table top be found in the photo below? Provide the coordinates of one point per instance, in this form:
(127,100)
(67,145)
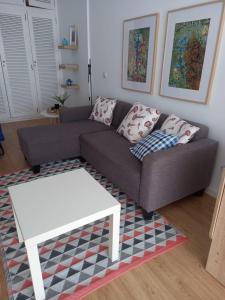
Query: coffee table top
(47,205)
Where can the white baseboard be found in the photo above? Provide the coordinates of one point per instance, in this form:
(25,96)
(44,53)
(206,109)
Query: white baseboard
(212,192)
(27,118)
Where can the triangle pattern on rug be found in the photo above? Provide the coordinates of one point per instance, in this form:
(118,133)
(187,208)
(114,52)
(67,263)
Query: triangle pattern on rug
(73,262)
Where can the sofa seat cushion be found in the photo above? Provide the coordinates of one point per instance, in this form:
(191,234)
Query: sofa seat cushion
(109,153)
(47,143)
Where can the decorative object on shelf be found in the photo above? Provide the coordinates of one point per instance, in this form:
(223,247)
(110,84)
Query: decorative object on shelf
(61,99)
(72,86)
(192,39)
(69,82)
(139,49)
(70,47)
(65,42)
(73,35)
(72,67)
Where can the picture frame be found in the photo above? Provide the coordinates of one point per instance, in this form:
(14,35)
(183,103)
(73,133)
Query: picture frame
(190,54)
(73,35)
(139,53)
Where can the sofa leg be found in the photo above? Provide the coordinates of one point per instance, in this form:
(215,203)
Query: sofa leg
(36,169)
(148,215)
(82,159)
(200,193)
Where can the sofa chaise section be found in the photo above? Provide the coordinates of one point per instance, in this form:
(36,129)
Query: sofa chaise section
(41,144)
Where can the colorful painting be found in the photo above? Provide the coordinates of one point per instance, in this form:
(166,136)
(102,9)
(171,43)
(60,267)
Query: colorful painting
(138,54)
(188,53)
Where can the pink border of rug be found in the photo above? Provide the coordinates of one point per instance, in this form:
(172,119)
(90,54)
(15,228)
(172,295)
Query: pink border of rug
(21,169)
(16,170)
(83,292)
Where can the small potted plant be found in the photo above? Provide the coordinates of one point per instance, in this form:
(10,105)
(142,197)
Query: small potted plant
(61,99)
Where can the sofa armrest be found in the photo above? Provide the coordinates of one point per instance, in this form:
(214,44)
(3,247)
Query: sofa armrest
(70,114)
(172,174)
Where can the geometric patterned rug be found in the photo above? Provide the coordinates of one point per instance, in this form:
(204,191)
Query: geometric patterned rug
(76,263)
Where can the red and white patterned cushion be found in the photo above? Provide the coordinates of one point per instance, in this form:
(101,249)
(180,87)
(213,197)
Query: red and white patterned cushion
(139,122)
(103,110)
(176,126)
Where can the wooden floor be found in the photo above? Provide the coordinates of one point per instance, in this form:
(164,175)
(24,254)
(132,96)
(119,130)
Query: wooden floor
(179,274)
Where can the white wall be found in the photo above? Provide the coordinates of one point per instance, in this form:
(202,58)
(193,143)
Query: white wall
(74,12)
(106,48)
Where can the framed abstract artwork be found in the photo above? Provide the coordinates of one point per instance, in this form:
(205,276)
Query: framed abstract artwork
(139,50)
(192,40)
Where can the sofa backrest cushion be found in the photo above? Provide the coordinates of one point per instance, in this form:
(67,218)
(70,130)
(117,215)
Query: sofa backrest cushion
(120,112)
(201,134)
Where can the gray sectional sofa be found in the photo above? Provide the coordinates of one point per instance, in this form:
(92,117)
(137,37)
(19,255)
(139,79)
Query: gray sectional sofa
(162,178)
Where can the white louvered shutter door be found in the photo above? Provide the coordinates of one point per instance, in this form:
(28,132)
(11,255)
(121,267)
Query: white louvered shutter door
(15,51)
(4,108)
(17,2)
(49,4)
(44,44)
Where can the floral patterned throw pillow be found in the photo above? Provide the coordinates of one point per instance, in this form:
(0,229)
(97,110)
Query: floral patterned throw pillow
(139,122)
(103,110)
(176,126)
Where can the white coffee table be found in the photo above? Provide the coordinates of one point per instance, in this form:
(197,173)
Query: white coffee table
(50,206)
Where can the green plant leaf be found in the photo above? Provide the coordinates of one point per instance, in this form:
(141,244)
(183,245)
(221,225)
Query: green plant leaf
(61,98)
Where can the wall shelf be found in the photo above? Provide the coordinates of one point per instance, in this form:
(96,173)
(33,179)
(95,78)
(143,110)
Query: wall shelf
(73,86)
(71,67)
(70,47)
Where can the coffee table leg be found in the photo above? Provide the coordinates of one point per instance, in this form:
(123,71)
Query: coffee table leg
(114,235)
(35,269)
(20,236)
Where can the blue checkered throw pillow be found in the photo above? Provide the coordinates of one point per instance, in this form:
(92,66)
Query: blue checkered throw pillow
(154,142)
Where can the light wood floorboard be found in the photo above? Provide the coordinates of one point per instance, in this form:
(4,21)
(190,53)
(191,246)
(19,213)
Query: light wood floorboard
(178,274)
